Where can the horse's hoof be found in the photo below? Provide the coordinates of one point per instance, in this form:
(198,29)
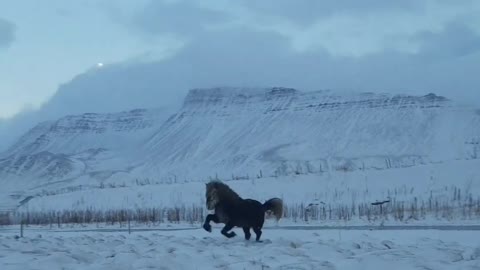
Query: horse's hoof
(207,227)
(230,234)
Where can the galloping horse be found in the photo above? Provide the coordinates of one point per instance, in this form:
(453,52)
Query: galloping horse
(232,210)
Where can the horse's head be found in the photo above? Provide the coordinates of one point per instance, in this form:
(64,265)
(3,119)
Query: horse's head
(211,195)
(217,193)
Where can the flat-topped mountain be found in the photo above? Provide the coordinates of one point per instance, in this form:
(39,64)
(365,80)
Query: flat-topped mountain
(239,132)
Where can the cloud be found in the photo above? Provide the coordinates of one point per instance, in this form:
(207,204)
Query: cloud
(357,28)
(7,33)
(344,27)
(456,40)
(307,12)
(242,57)
(176,17)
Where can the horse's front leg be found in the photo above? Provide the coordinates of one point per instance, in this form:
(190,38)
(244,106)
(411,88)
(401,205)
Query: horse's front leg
(210,217)
(227,228)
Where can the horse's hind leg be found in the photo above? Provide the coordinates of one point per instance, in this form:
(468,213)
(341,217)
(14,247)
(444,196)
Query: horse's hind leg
(227,228)
(210,217)
(258,232)
(246,230)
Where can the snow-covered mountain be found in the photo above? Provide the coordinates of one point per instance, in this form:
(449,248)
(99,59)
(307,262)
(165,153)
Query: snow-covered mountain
(79,145)
(238,132)
(279,131)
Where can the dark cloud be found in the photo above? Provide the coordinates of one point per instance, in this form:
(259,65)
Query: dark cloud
(456,40)
(179,17)
(304,12)
(7,33)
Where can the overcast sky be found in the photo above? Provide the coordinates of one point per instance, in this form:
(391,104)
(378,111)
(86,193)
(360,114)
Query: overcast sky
(105,55)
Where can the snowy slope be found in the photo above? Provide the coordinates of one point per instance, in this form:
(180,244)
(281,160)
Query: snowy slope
(89,145)
(77,133)
(282,131)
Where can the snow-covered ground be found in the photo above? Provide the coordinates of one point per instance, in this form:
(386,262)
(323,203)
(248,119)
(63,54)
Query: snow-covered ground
(421,182)
(442,186)
(281,249)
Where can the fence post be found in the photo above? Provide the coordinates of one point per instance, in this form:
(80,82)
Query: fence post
(129,230)
(21,228)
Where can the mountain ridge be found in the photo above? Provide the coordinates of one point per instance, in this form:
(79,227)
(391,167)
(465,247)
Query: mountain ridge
(236,132)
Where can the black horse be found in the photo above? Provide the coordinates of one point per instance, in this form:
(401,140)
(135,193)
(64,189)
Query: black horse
(234,211)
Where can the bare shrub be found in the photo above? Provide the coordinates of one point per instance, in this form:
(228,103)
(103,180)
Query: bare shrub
(460,204)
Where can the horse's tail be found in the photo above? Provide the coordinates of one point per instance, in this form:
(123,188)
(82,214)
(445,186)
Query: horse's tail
(274,205)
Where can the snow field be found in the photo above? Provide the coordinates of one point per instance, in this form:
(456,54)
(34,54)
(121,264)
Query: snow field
(281,249)
(418,194)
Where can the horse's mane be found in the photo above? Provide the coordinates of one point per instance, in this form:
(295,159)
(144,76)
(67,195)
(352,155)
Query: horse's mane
(220,192)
